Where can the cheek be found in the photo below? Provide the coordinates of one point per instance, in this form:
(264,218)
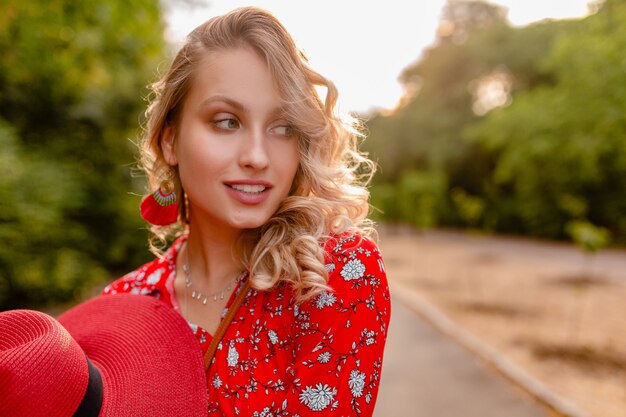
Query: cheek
(198,166)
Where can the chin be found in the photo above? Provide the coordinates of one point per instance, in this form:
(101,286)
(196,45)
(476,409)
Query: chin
(250,223)
(252,220)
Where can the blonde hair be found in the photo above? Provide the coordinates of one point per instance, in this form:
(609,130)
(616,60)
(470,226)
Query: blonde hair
(328,195)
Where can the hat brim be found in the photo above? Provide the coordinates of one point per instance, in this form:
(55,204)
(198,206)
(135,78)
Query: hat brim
(149,359)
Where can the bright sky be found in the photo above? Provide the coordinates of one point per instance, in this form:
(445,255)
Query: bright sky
(362,46)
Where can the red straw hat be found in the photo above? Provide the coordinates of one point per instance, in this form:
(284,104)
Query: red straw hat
(114,355)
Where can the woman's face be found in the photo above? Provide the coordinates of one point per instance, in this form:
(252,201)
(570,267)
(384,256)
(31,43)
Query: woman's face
(237,154)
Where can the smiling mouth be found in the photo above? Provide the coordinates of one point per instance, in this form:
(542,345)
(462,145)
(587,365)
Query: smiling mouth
(251,189)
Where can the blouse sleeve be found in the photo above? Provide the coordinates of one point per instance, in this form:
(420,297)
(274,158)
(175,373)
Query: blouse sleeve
(340,337)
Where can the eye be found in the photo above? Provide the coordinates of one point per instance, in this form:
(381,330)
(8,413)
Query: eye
(283,130)
(227,124)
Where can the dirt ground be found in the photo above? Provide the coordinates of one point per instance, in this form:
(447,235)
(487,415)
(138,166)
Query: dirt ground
(554,311)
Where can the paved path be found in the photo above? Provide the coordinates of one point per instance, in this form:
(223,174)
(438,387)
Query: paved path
(427,375)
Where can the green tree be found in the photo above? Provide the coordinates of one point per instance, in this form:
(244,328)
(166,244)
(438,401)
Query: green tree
(475,44)
(72,80)
(526,124)
(561,148)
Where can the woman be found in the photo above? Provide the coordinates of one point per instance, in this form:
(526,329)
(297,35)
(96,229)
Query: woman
(259,182)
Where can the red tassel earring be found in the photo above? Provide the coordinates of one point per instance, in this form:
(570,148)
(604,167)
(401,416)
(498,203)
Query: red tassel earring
(161,207)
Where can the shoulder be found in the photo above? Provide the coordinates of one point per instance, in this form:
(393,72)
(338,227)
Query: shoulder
(351,255)
(354,261)
(357,281)
(149,278)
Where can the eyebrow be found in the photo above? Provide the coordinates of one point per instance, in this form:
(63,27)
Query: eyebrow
(278,111)
(223,99)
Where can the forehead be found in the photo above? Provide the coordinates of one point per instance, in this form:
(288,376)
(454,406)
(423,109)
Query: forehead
(240,74)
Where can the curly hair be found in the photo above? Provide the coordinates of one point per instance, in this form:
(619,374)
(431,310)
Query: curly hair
(328,195)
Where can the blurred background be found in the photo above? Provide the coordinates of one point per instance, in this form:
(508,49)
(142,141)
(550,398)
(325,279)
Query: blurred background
(499,129)
(504,118)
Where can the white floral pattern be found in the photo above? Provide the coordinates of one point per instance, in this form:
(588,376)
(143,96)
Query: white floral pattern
(233,356)
(356,383)
(324,357)
(354,269)
(325,299)
(154,277)
(282,359)
(272,336)
(319,397)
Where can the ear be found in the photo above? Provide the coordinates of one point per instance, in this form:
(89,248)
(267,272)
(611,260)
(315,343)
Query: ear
(167,146)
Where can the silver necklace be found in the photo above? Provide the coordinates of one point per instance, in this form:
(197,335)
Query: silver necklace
(199,295)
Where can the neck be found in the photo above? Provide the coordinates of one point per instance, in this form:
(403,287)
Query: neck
(210,254)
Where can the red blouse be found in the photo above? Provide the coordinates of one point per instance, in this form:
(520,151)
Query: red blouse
(277,358)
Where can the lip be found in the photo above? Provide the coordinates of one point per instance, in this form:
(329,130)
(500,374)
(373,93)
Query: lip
(249,199)
(266,184)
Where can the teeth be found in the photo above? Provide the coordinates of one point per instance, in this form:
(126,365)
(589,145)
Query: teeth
(249,188)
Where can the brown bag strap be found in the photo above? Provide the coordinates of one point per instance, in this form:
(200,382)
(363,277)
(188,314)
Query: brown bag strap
(219,333)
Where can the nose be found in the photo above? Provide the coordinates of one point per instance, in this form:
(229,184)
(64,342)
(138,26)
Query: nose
(254,152)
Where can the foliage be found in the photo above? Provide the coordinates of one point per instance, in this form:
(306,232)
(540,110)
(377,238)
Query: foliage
(413,199)
(526,124)
(560,148)
(72,77)
(588,237)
